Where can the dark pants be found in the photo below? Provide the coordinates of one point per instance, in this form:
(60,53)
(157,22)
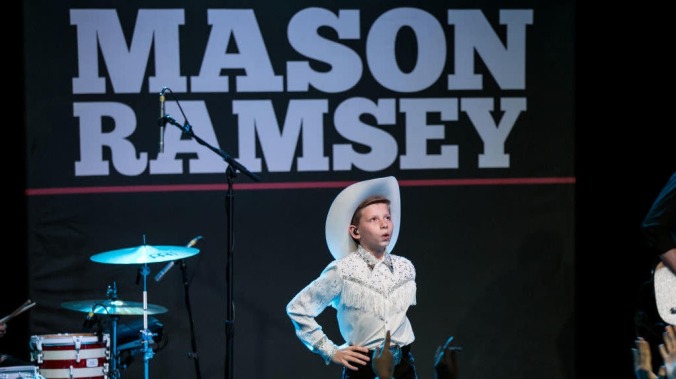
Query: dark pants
(404,370)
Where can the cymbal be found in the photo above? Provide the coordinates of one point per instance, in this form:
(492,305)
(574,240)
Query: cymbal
(112,307)
(144,254)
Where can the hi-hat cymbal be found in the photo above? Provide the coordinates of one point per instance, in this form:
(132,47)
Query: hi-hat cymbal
(144,254)
(112,307)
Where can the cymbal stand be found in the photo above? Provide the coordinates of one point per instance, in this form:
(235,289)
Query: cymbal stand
(146,334)
(114,371)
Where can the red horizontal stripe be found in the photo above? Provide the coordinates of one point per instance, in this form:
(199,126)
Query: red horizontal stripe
(71,347)
(290,185)
(55,364)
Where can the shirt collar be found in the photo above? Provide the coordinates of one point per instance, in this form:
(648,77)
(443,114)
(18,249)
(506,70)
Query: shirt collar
(372,261)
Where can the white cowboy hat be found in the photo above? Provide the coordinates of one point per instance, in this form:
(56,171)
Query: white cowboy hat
(338,219)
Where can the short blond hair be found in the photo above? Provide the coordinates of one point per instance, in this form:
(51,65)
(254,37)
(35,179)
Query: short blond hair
(375,199)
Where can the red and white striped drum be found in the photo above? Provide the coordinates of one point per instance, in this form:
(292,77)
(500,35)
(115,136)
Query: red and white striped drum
(20,372)
(68,356)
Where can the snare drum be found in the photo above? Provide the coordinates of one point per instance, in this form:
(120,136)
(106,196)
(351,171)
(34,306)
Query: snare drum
(20,372)
(69,356)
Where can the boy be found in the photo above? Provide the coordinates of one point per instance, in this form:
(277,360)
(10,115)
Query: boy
(370,288)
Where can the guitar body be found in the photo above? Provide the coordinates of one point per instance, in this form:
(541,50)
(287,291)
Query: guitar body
(665,293)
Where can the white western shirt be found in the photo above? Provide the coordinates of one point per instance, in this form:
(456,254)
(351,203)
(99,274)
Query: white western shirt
(370,297)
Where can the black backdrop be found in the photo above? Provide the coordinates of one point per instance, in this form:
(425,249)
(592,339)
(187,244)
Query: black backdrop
(604,170)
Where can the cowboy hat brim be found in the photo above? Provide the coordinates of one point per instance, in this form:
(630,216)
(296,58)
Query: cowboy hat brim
(338,219)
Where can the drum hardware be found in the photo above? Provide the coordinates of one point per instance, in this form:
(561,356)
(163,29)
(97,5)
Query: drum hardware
(144,255)
(129,346)
(113,308)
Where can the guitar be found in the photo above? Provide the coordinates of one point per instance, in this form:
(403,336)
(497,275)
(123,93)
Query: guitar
(665,293)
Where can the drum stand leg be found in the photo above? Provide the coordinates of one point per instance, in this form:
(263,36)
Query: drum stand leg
(114,372)
(146,334)
(115,355)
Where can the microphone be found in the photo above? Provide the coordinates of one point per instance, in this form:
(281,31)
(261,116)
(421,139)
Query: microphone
(90,320)
(169,265)
(163,119)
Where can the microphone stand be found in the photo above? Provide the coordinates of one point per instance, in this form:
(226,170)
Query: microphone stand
(231,173)
(186,287)
(229,318)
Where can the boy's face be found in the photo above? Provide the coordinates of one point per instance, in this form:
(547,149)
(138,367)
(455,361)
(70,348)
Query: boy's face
(375,228)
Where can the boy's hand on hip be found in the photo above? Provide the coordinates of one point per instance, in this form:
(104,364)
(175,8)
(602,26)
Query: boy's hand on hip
(350,356)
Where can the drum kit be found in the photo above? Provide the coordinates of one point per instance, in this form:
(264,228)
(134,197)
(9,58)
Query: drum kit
(88,355)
